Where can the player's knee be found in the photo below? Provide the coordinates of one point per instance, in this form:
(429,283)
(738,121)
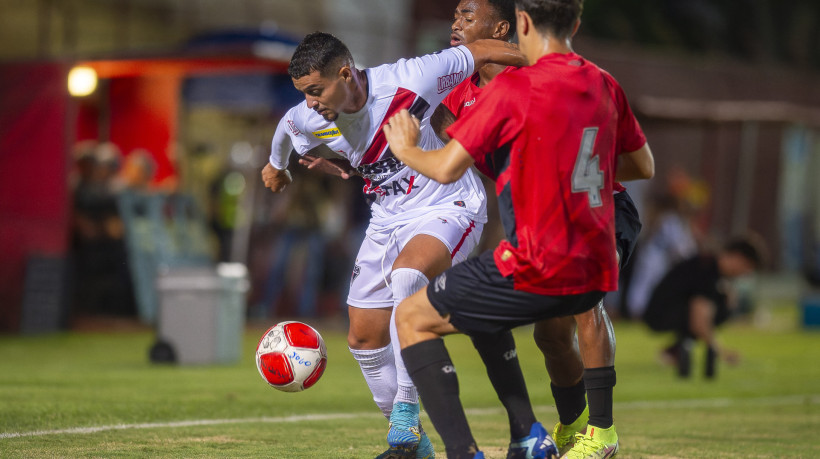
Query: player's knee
(367,336)
(555,336)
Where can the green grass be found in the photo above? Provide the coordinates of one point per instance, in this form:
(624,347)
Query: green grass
(768,406)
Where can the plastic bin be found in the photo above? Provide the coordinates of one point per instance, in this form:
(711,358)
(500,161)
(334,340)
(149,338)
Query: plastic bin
(201,314)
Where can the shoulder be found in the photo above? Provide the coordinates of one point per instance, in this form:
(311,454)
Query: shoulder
(300,120)
(511,81)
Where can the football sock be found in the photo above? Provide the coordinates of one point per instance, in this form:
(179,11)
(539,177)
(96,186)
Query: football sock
(599,383)
(379,370)
(404,282)
(501,360)
(569,401)
(429,364)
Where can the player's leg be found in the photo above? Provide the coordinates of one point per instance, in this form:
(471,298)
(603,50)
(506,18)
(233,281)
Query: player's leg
(477,300)
(528,438)
(596,339)
(370,307)
(422,257)
(427,248)
(432,371)
(557,341)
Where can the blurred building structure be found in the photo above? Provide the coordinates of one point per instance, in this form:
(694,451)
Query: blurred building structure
(200,85)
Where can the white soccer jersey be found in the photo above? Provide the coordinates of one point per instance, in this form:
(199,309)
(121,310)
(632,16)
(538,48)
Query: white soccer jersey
(398,192)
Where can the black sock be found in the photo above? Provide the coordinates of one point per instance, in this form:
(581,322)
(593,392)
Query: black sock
(501,360)
(432,371)
(569,401)
(599,383)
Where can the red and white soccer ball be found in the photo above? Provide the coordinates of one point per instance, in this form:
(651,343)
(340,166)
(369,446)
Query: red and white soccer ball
(291,356)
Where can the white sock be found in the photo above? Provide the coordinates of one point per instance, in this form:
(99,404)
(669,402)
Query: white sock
(379,370)
(404,282)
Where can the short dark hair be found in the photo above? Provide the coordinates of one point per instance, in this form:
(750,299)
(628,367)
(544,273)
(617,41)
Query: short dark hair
(751,247)
(554,16)
(321,52)
(505,10)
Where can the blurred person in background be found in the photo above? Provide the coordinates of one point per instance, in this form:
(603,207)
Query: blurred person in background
(696,297)
(137,172)
(301,213)
(102,278)
(670,237)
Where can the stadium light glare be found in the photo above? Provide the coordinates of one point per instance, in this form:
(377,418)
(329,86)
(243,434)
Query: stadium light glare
(82,81)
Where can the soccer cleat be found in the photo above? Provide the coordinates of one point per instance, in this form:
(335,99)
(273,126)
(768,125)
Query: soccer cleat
(538,445)
(404,426)
(479,455)
(564,435)
(397,453)
(425,449)
(596,443)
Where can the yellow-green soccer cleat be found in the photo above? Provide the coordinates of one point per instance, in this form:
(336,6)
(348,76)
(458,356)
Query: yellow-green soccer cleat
(564,435)
(596,443)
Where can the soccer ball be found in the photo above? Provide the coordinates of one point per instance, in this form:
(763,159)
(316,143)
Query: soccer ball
(291,356)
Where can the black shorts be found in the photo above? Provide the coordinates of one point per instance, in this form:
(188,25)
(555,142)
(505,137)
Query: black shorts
(479,299)
(627,226)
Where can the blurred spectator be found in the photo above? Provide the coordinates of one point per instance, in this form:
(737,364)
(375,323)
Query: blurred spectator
(668,240)
(669,237)
(101,278)
(137,172)
(696,296)
(301,211)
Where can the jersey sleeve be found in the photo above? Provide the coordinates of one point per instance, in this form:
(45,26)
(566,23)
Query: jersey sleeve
(630,134)
(493,121)
(433,76)
(455,99)
(290,135)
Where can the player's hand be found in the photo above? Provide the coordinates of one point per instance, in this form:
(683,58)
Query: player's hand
(275,179)
(402,132)
(337,167)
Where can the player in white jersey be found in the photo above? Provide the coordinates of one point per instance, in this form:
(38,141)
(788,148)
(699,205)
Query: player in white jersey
(418,227)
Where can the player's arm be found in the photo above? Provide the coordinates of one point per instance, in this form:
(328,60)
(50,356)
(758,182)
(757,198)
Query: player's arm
(275,174)
(445,165)
(442,119)
(635,165)
(331,166)
(496,52)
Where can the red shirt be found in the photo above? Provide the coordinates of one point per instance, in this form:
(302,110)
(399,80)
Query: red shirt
(550,134)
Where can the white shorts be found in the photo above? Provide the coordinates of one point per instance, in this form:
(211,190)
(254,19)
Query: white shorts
(370,281)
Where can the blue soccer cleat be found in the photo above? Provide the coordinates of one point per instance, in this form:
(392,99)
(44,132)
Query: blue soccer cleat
(425,449)
(404,436)
(538,445)
(404,426)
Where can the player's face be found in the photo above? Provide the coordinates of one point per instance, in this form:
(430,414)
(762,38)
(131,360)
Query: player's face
(325,94)
(474,20)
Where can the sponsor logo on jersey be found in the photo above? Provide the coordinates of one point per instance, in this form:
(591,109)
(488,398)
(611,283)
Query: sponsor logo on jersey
(327,133)
(393,188)
(450,81)
(293,128)
(469,102)
(459,203)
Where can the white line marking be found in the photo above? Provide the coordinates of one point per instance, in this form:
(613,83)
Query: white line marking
(808,399)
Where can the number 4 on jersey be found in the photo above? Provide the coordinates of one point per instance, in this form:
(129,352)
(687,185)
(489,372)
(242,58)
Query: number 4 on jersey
(587,176)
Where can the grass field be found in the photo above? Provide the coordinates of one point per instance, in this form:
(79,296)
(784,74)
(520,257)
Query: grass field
(96,395)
